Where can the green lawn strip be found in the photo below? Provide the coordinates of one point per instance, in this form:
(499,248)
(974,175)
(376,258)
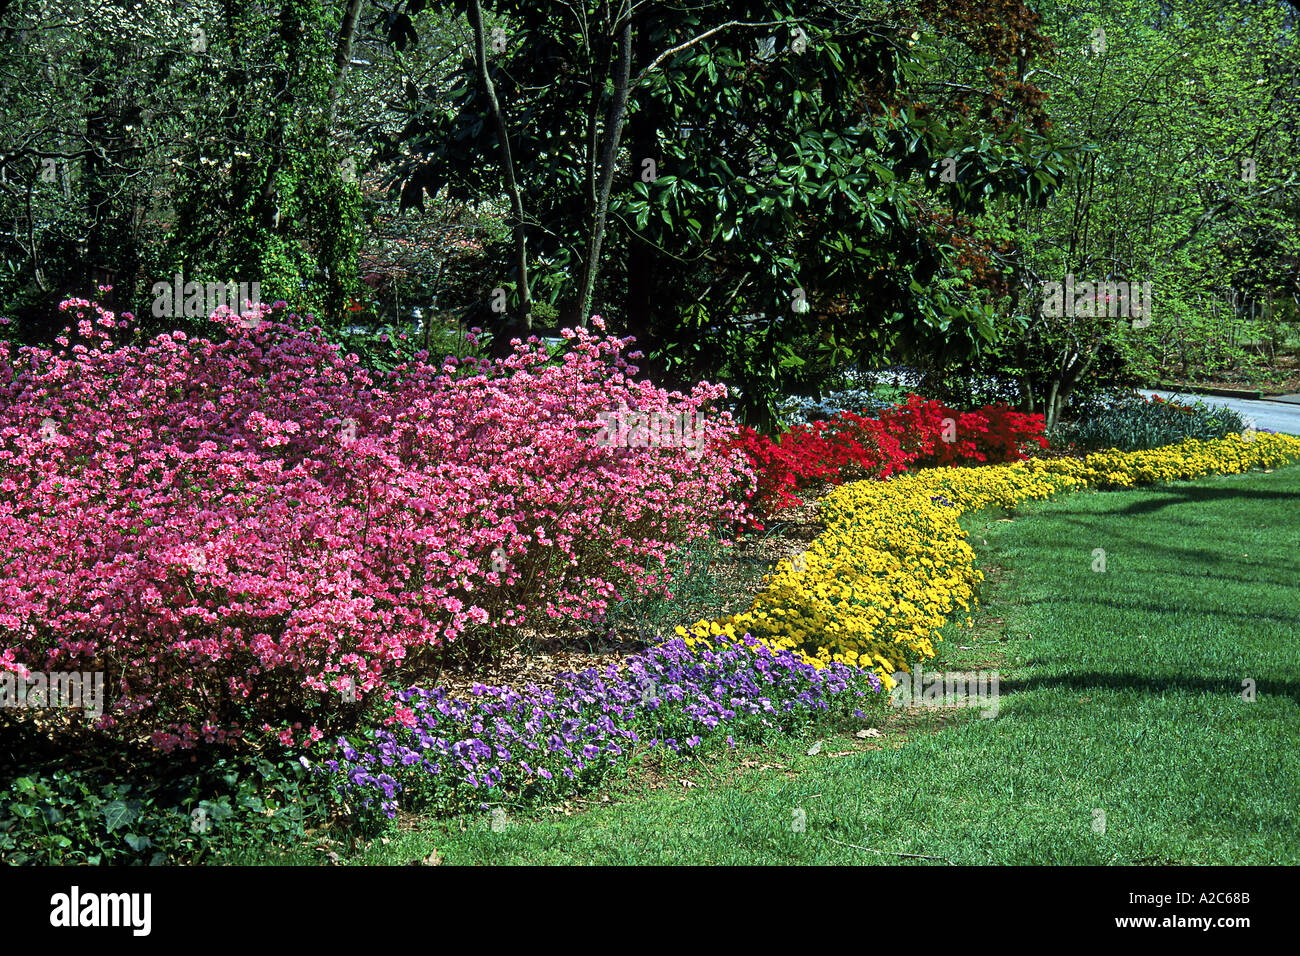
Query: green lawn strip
(1122,693)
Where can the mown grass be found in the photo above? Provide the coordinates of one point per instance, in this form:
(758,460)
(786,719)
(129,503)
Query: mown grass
(1122,694)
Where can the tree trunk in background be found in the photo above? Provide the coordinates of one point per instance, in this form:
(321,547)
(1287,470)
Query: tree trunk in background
(645,126)
(523,325)
(343,55)
(111,254)
(290,34)
(608,161)
(1027,388)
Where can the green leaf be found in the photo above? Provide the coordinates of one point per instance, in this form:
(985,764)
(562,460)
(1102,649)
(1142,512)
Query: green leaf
(117,814)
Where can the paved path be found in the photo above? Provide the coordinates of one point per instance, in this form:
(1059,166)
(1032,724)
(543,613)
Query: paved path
(1273,415)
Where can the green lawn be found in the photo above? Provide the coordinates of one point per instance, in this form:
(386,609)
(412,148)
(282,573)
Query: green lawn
(1122,693)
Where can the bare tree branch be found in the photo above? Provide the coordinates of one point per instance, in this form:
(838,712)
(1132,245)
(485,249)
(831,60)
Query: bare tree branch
(673,51)
(613,132)
(475,12)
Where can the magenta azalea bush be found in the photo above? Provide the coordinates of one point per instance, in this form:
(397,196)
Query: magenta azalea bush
(254,533)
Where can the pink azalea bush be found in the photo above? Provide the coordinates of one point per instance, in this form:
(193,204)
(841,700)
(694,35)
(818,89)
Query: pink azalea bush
(254,533)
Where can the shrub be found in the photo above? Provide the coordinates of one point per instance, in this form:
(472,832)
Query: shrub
(849,446)
(990,435)
(1130,422)
(253,533)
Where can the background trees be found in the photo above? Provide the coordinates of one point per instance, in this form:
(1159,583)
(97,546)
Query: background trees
(145,139)
(1181,119)
(754,190)
(761,191)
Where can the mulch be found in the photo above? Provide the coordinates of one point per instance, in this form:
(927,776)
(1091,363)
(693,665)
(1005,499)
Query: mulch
(571,647)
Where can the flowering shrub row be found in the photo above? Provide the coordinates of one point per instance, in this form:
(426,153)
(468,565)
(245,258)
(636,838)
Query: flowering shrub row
(256,531)
(828,451)
(915,433)
(893,565)
(931,434)
(460,754)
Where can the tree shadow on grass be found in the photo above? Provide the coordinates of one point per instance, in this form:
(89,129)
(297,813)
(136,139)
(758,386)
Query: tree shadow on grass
(1199,494)
(1151,684)
(1180,611)
(1248,572)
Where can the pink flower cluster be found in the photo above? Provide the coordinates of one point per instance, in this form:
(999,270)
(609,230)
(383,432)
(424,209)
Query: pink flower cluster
(254,532)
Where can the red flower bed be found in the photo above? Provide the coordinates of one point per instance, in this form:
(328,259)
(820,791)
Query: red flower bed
(917,433)
(990,435)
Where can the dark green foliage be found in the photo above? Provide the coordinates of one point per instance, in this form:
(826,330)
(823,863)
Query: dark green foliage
(805,229)
(1129,422)
(98,807)
(383,348)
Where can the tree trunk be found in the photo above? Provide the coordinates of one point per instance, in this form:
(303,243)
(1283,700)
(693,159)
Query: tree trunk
(609,159)
(645,126)
(343,55)
(1072,369)
(524,324)
(267,202)
(1027,387)
(1049,407)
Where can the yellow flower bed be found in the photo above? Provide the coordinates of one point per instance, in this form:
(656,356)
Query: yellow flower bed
(893,565)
